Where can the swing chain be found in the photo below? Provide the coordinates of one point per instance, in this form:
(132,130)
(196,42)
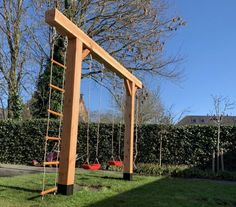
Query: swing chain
(99,115)
(136,131)
(88,122)
(120,125)
(113,118)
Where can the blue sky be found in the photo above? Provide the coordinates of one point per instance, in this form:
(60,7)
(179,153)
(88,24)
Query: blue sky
(208,45)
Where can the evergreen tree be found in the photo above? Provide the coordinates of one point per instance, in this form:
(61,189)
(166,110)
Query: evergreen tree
(40,100)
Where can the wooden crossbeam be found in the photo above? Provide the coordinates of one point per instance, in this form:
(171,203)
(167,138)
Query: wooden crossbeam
(51,163)
(59,64)
(53,138)
(55,113)
(57,88)
(51,190)
(67,28)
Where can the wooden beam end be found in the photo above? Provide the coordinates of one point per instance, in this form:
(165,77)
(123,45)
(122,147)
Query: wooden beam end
(50,16)
(139,84)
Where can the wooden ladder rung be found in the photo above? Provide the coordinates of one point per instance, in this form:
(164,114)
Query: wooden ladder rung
(51,190)
(52,138)
(59,64)
(57,88)
(55,113)
(51,163)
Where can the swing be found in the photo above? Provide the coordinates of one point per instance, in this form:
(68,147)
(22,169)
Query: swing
(116,163)
(93,167)
(96,165)
(112,161)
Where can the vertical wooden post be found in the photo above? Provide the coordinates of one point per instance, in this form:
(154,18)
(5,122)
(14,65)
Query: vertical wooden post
(129,129)
(70,117)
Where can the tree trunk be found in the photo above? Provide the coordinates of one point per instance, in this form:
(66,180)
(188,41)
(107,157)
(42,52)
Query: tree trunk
(3,109)
(222,160)
(160,155)
(213,161)
(218,149)
(14,103)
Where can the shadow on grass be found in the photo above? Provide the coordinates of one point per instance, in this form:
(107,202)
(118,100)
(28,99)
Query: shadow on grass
(34,197)
(111,178)
(110,175)
(145,195)
(20,188)
(168,192)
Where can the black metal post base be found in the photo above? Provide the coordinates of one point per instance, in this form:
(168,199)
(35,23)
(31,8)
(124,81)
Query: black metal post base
(128,176)
(65,189)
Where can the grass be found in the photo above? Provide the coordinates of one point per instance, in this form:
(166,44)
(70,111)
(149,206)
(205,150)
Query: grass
(106,189)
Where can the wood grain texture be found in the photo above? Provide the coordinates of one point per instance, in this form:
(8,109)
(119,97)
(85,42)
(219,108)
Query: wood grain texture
(66,27)
(129,127)
(70,112)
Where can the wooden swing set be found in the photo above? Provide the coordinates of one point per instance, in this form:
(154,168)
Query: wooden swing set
(79,47)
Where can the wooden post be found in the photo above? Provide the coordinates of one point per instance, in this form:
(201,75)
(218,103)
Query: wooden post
(70,117)
(129,129)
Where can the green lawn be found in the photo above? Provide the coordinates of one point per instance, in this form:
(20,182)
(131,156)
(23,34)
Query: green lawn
(106,189)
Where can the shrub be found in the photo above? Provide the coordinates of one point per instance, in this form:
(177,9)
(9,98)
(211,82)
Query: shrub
(21,142)
(157,170)
(183,171)
(206,174)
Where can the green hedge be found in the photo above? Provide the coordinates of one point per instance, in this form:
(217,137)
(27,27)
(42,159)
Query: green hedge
(21,142)
(189,145)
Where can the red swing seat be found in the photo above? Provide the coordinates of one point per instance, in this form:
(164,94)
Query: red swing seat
(116,163)
(93,167)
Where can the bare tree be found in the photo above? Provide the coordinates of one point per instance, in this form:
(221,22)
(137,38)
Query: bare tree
(3,114)
(133,31)
(174,117)
(221,106)
(14,47)
(150,107)
(3,94)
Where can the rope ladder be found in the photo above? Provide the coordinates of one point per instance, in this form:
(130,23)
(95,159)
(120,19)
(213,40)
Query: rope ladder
(54,139)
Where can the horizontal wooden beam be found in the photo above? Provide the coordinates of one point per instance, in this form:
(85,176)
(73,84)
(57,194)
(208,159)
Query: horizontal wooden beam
(67,28)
